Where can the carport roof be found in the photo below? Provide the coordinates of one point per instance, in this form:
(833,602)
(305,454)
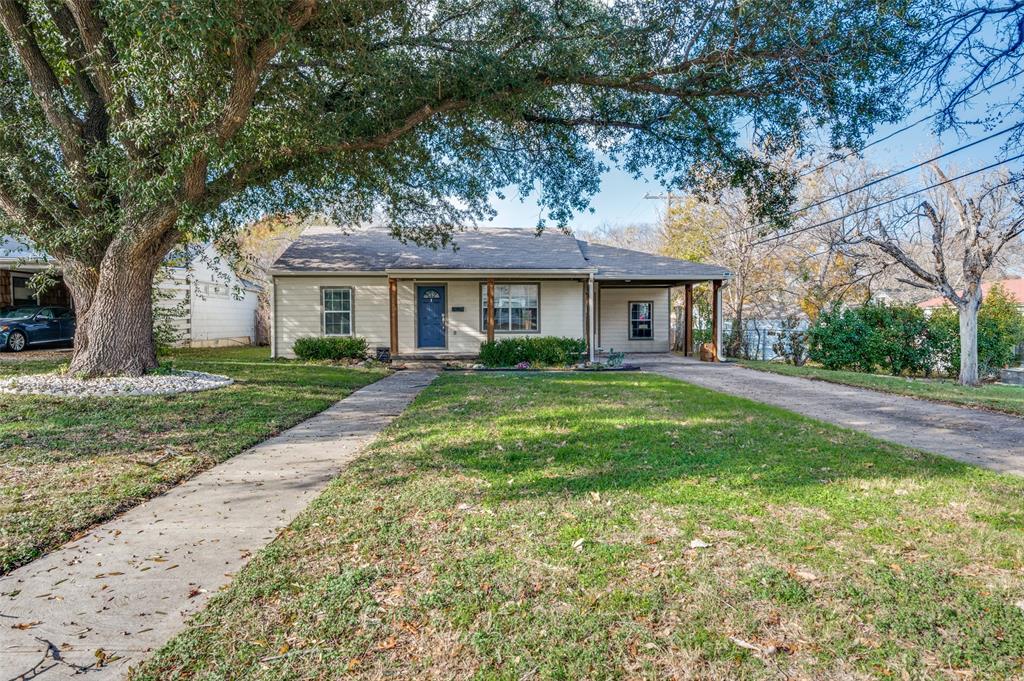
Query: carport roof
(329,249)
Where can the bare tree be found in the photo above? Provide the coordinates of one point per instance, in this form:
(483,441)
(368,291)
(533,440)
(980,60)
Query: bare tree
(970,229)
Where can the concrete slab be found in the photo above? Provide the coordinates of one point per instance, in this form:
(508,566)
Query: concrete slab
(973,436)
(129,585)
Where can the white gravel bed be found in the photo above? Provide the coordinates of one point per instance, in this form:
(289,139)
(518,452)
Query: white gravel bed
(62,385)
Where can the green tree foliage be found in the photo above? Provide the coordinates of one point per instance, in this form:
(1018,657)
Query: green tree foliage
(892,338)
(128,126)
(1000,331)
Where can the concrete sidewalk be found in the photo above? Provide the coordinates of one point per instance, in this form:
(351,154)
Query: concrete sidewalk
(973,436)
(129,585)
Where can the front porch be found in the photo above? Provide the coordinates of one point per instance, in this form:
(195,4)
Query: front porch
(441,318)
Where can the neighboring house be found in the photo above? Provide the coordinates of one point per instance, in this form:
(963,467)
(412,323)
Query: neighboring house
(1014,287)
(419,302)
(211,305)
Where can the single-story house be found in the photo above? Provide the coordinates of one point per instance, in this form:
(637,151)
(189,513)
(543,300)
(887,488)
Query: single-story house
(418,302)
(211,305)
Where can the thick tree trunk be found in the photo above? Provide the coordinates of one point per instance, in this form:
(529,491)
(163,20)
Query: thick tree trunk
(114,310)
(969,339)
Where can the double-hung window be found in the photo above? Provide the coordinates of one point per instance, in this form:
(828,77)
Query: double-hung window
(516,308)
(641,320)
(337,311)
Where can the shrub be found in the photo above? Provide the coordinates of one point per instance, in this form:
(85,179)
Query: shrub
(330,347)
(894,338)
(837,340)
(537,350)
(1000,330)
(792,343)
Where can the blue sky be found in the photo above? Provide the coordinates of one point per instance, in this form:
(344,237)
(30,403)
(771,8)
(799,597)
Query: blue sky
(621,199)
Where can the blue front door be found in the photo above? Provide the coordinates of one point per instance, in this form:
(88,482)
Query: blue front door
(430,306)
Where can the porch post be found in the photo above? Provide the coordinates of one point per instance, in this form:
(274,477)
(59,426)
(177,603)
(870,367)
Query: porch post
(393,300)
(688,321)
(490,310)
(716,318)
(588,311)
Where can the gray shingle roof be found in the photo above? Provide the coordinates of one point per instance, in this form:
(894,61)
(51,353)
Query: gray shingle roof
(622,263)
(373,249)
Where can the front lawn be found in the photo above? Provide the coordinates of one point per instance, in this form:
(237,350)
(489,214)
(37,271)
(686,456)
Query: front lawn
(1004,398)
(626,526)
(66,464)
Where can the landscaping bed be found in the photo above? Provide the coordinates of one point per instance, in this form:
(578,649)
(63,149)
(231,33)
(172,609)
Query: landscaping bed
(69,463)
(573,525)
(1007,399)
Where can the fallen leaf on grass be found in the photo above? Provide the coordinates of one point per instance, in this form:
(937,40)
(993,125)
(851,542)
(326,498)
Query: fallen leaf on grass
(699,544)
(26,625)
(578,544)
(387,644)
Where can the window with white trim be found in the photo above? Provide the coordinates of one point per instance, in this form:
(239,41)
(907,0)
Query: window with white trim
(641,320)
(337,311)
(516,308)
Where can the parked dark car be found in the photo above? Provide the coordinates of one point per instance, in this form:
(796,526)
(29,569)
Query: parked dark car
(25,326)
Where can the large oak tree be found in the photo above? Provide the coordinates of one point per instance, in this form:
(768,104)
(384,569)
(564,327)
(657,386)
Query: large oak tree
(129,126)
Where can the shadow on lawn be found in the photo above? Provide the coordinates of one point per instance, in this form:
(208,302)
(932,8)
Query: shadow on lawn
(580,434)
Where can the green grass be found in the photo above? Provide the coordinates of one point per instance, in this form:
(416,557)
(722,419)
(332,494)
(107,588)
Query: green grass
(1004,398)
(67,464)
(540,526)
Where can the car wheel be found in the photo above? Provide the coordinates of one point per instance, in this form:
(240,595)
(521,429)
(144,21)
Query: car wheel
(16,342)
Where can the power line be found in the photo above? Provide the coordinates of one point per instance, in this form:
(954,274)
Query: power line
(887,202)
(857,152)
(877,180)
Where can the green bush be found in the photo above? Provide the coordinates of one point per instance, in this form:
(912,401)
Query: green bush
(1000,330)
(537,350)
(837,340)
(330,347)
(893,338)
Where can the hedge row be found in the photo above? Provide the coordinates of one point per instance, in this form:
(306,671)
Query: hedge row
(536,350)
(899,339)
(330,347)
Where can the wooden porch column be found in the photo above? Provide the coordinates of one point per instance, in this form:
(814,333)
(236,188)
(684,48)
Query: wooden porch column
(716,318)
(587,293)
(688,321)
(490,310)
(393,296)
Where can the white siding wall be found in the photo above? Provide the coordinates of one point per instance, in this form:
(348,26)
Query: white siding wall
(221,313)
(297,311)
(613,318)
(209,312)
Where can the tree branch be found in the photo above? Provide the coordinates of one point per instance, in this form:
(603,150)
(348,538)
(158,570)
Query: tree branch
(44,84)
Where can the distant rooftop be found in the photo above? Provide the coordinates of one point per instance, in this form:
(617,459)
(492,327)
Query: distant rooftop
(373,249)
(1014,287)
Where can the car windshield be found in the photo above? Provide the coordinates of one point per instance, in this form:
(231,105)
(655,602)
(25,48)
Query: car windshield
(21,313)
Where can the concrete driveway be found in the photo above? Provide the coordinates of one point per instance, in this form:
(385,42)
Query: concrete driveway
(973,436)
